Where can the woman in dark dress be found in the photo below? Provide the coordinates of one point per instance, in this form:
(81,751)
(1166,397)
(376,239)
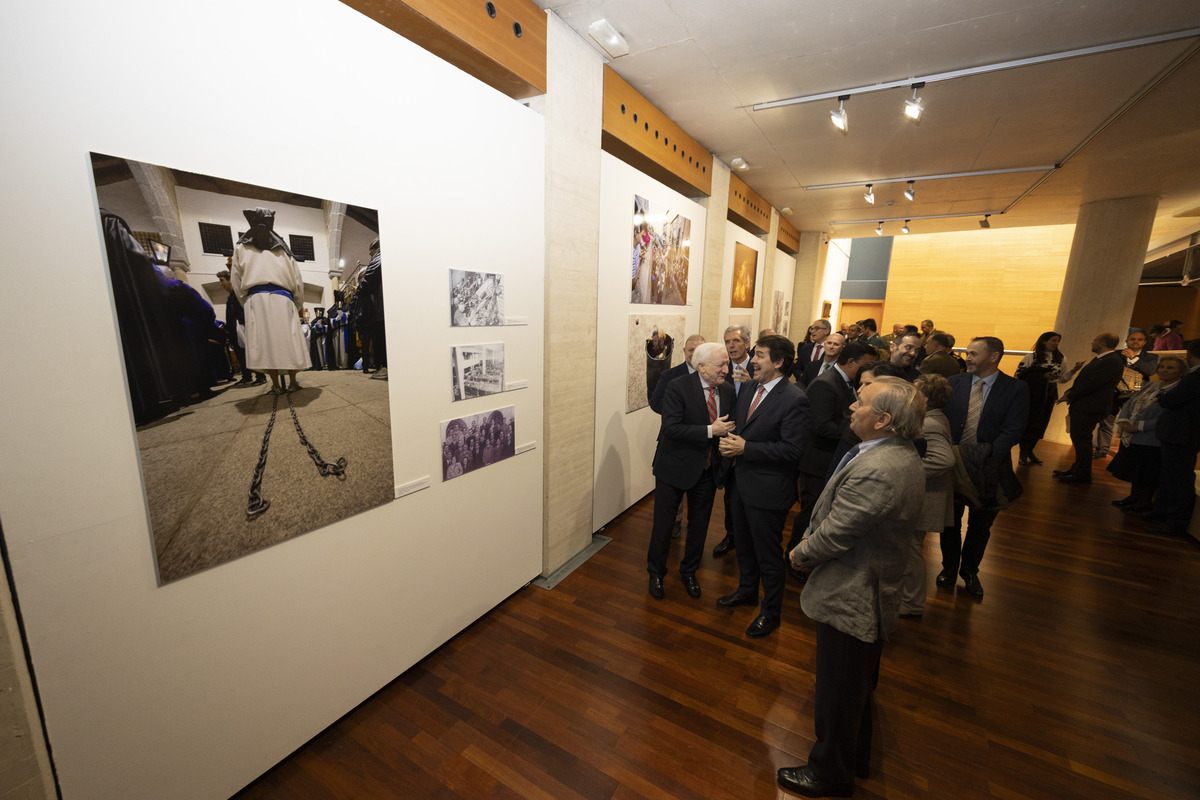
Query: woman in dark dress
(1043,371)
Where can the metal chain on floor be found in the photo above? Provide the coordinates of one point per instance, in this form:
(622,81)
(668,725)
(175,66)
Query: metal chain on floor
(256,504)
(337,468)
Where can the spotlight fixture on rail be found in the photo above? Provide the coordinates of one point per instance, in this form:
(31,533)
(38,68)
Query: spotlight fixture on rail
(869,195)
(879,229)
(910,192)
(905,228)
(913,107)
(983,223)
(838,118)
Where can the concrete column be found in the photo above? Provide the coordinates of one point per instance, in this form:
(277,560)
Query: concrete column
(572,107)
(716,208)
(809,268)
(1100,287)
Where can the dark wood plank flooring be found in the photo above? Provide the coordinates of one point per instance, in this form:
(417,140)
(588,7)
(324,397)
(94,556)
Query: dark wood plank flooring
(1075,677)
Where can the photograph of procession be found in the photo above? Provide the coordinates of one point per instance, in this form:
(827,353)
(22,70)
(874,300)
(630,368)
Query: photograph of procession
(661,255)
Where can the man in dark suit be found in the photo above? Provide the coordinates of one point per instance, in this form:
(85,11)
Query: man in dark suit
(940,360)
(696,413)
(829,398)
(679,370)
(741,370)
(904,351)
(831,349)
(814,348)
(1090,400)
(986,406)
(1179,432)
(772,421)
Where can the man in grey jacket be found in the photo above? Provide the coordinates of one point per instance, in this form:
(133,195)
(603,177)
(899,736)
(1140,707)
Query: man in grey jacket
(856,549)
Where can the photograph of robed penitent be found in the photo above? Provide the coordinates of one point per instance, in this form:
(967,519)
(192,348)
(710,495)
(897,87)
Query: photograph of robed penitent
(476,299)
(476,370)
(254,420)
(478,440)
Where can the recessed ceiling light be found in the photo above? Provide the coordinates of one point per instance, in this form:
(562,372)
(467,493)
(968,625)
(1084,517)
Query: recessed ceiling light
(608,38)
(739,164)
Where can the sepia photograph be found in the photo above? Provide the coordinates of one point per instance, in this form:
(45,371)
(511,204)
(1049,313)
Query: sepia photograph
(245,439)
(476,299)
(655,344)
(661,255)
(469,443)
(477,370)
(745,271)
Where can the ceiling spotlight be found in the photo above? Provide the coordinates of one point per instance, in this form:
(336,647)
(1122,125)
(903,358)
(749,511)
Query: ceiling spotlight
(869,195)
(739,164)
(910,192)
(913,108)
(905,228)
(608,38)
(879,228)
(983,223)
(786,210)
(839,117)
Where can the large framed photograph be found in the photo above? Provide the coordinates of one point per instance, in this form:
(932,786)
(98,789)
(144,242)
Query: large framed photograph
(745,272)
(479,440)
(655,344)
(212,305)
(661,256)
(476,299)
(476,370)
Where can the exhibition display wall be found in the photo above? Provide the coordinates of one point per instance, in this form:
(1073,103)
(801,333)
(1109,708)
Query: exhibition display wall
(643,227)
(194,688)
(742,287)
(778,312)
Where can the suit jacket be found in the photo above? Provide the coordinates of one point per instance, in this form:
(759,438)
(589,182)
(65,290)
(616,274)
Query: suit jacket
(683,440)
(810,371)
(829,398)
(775,441)
(1179,423)
(941,363)
(803,356)
(1002,419)
(750,368)
(938,511)
(1092,392)
(861,531)
(660,388)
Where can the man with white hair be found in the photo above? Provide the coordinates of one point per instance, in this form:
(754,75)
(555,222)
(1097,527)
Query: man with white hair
(696,412)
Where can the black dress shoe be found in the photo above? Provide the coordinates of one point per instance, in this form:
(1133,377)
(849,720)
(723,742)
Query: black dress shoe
(656,590)
(735,599)
(1058,473)
(723,547)
(692,586)
(1032,459)
(1023,460)
(974,587)
(1073,477)
(1124,502)
(762,626)
(945,579)
(801,781)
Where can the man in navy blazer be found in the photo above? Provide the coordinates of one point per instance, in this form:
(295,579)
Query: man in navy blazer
(1179,432)
(679,370)
(772,426)
(695,414)
(1090,399)
(1003,407)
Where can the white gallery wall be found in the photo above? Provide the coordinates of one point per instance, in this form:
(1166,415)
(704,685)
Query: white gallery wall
(193,689)
(785,284)
(625,442)
(735,234)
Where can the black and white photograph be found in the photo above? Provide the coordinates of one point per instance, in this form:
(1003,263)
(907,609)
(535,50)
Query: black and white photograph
(477,370)
(248,433)
(469,443)
(476,299)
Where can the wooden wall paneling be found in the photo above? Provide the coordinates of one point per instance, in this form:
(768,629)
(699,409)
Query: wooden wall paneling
(502,42)
(748,208)
(789,237)
(636,132)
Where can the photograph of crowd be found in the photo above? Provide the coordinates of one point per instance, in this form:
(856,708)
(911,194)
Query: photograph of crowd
(745,272)
(661,254)
(476,299)
(469,443)
(477,370)
(651,341)
(210,302)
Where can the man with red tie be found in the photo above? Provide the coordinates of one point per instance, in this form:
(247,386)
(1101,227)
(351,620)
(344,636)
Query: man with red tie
(696,412)
(772,426)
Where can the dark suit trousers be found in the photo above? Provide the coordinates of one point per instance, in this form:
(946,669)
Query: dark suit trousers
(964,556)
(666,504)
(1082,426)
(1176,486)
(847,671)
(811,487)
(758,537)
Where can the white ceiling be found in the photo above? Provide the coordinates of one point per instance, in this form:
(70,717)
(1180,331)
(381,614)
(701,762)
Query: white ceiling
(706,62)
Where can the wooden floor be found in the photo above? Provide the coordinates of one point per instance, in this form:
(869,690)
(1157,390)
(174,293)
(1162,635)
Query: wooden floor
(1075,677)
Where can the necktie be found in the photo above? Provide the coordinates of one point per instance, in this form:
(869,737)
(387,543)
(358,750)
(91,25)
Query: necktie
(758,396)
(818,352)
(824,368)
(712,404)
(846,459)
(974,406)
